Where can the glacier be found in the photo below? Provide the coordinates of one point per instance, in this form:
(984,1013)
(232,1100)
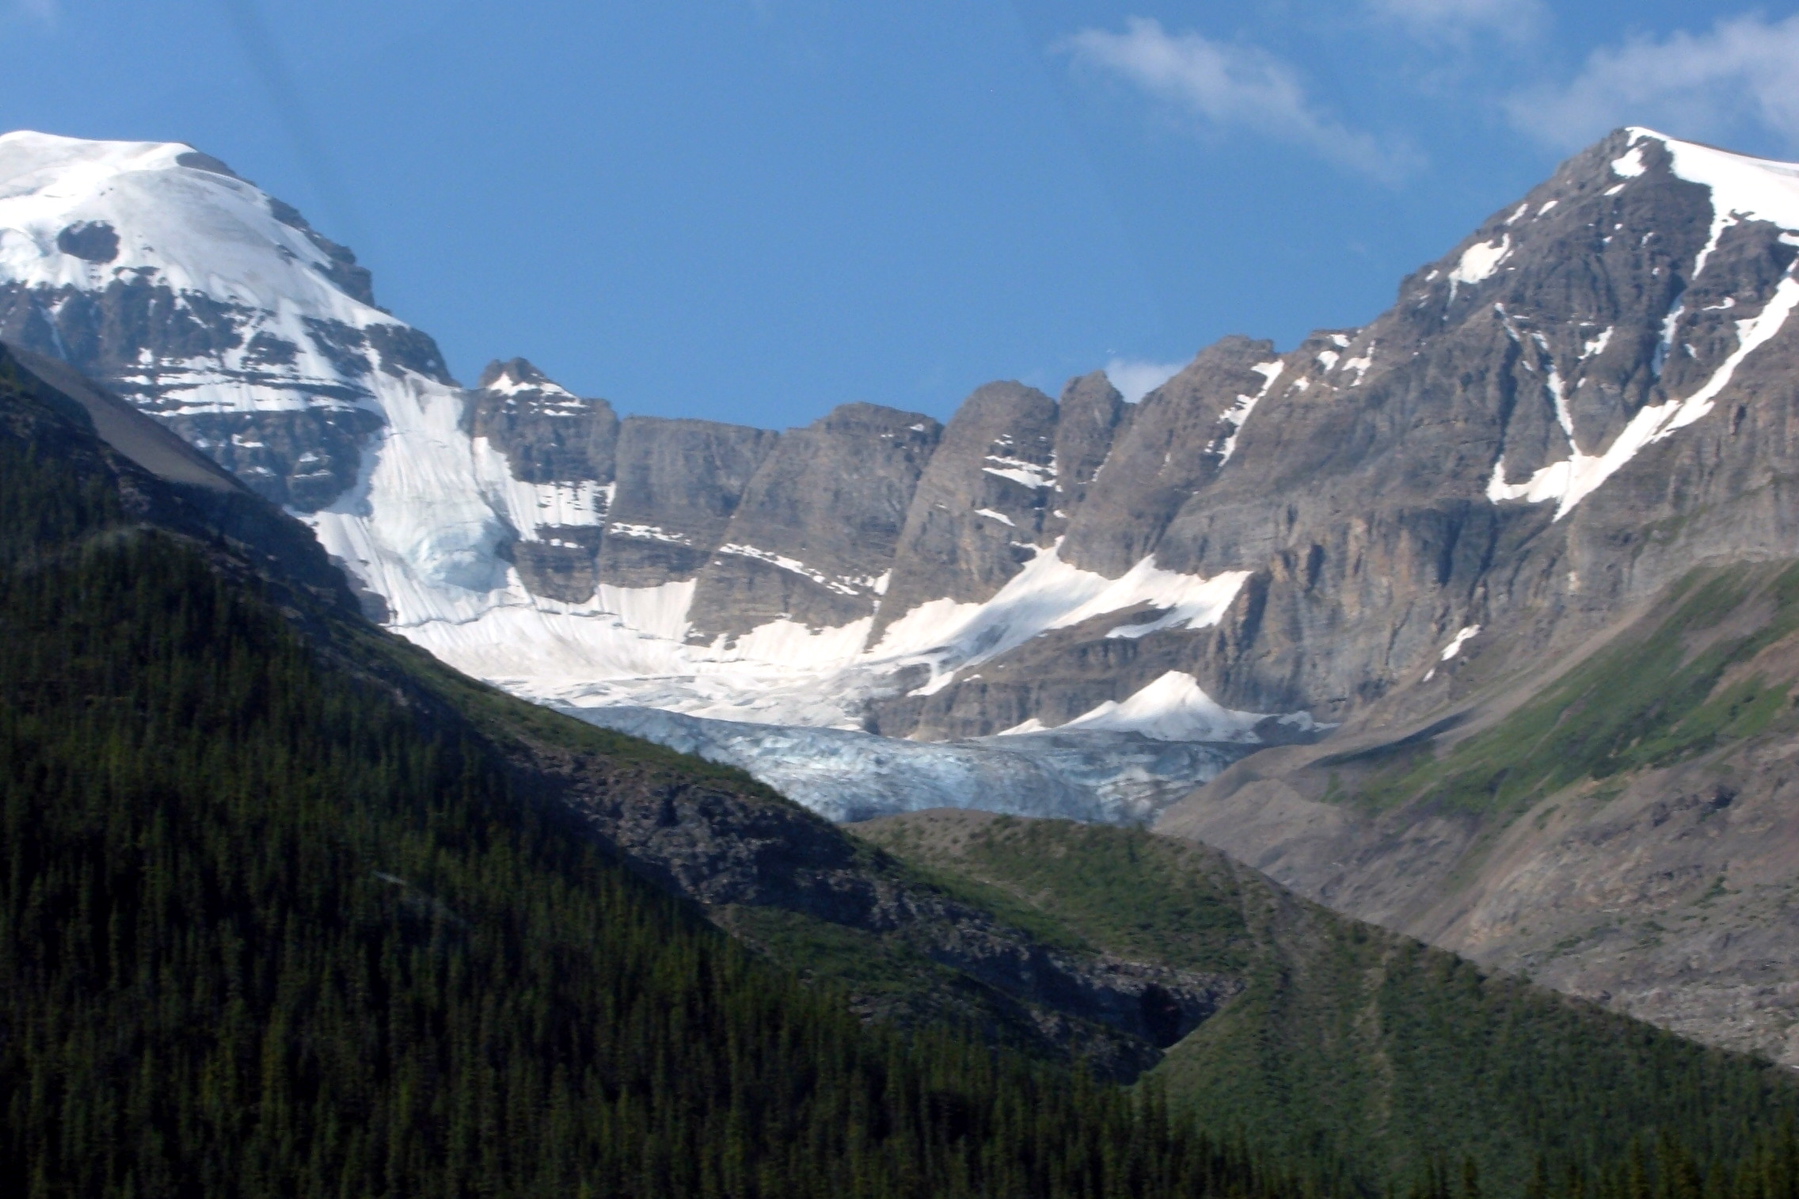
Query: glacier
(1111,777)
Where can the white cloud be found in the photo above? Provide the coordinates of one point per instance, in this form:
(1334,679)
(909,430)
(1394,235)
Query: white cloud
(1742,75)
(1135,378)
(1457,19)
(1231,87)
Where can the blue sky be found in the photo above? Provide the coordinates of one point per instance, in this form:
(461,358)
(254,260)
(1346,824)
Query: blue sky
(753,210)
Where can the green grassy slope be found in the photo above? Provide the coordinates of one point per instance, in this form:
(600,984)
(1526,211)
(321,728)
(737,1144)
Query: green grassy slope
(1348,1039)
(1693,677)
(273,924)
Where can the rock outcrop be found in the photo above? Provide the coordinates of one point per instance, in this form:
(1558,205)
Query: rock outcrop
(813,539)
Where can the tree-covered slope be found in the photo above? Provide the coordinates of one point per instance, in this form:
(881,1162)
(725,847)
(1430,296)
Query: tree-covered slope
(1349,1039)
(277,920)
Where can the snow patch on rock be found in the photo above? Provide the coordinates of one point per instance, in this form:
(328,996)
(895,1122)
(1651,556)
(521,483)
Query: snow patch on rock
(1035,475)
(1237,413)
(1051,594)
(1461,638)
(1479,261)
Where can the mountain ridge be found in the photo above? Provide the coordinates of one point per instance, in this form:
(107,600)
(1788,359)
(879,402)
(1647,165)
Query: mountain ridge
(1581,403)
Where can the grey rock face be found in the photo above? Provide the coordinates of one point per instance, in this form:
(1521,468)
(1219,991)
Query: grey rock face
(1091,416)
(95,241)
(1664,891)
(300,459)
(1357,491)
(981,506)
(548,434)
(152,346)
(562,565)
(1380,492)
(1171,450)
(350,276)
(815,533)
(679,483)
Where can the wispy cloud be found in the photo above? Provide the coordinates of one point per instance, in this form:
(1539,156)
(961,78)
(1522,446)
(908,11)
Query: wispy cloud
(1742,75)
(1456,20)
(1135,378)
(1221,87)
(42,12)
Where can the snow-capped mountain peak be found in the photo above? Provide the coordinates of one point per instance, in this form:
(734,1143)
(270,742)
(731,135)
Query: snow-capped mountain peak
(206,302)
(81,214)
(517,375)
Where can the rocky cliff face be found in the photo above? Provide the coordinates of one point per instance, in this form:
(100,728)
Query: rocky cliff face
(984,502)
(812,540)
(551,437)
(791,883)
(114,279)
(1615,822)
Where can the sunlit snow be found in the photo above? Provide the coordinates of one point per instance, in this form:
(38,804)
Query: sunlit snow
(426,522)
(1239,412)
(1480,260)
(1460,639)
(1172,708)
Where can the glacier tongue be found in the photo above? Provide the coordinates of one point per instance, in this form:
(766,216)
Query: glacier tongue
(1119,778)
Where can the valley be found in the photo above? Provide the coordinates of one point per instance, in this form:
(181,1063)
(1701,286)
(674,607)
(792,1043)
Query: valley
(1474,623)
(372,920)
